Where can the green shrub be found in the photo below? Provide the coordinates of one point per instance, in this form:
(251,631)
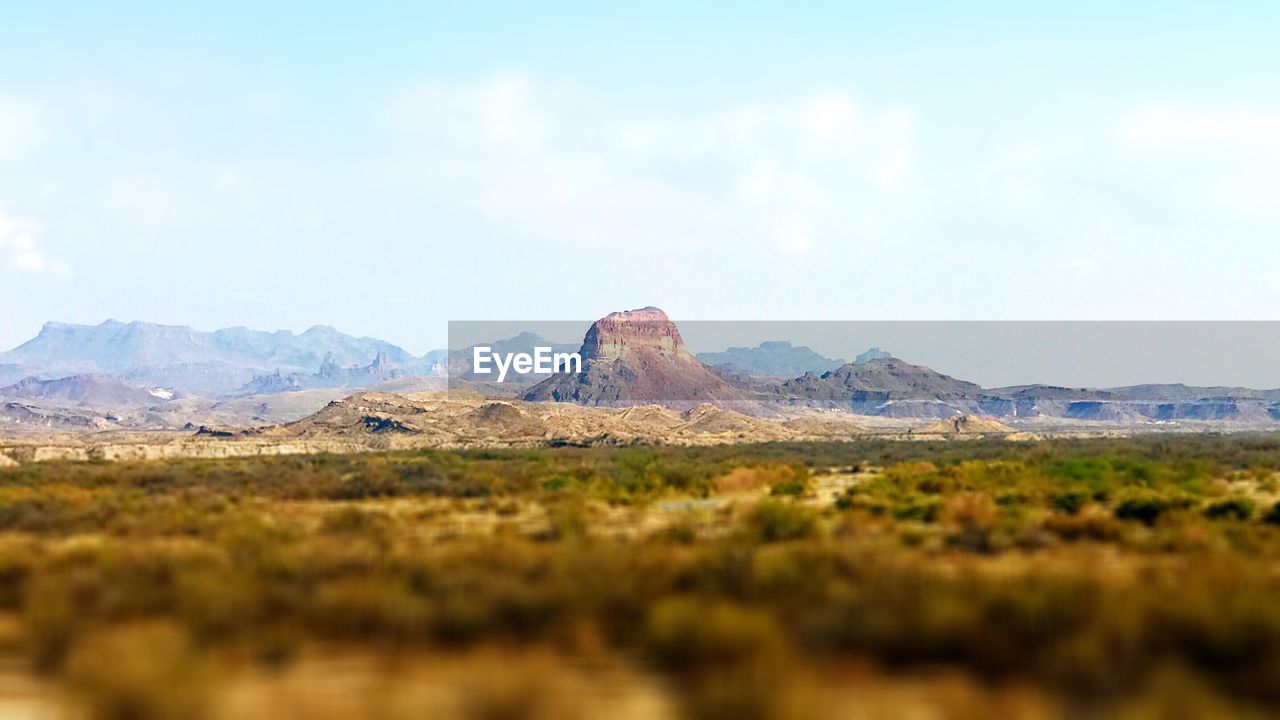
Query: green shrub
(557,482)
(1071,501)
(775,521)
(922,508)
(789,488)
(1148,508)
(1237,508)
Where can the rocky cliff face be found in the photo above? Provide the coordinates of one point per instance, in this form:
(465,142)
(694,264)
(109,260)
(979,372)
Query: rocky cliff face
(637,357)
(631,332)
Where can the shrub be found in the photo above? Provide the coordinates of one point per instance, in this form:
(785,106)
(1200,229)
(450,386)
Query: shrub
(1273,515)
(911,474)
(354,521)
(1093,523)
(749,478)
(1071,501)
(1149,508)
(774,521)
(849,499)
(790,488)
(1236,508)
(686,477)
(684,634)
(557,482)
(917,507)
(972,519)
(970,510)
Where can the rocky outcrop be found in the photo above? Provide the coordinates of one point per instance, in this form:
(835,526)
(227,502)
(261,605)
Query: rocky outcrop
(637,357)
(626,334)
(330,375)
(967,425)
(215,431)
(874,353)
(887,387)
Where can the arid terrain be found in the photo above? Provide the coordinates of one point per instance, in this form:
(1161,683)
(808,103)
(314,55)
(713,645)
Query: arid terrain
(868,577)
(379,421)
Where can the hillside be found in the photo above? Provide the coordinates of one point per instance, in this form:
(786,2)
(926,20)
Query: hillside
(98,390)
(466,419)
(884,386)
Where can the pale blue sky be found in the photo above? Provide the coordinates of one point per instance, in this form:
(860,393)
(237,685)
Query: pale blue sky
(385,170)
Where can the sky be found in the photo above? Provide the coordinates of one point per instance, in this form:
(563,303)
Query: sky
(385,168)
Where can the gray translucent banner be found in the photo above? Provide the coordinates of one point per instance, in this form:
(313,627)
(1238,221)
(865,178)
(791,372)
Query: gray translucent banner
(1138,371)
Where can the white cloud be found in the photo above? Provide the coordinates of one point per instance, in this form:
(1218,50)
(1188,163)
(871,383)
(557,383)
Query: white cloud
(17,242)
(549,162)
(1169,127)
(20,127)
(1224,162)
(1147,213)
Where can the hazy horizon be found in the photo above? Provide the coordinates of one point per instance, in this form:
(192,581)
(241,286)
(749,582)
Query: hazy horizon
(1095,354)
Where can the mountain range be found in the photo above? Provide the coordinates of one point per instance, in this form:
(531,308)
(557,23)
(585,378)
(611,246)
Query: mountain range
(148,376)
(222,362)
(638,357)
(777,358)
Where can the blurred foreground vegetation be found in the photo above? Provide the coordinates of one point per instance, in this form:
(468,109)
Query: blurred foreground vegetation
(1131,578)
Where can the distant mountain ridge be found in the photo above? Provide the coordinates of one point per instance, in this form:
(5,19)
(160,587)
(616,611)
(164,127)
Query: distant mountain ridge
(90,389)
(198,362)
(874,353)
(526,342)
(777,358)
(638,357)
(629,358)
(330,375)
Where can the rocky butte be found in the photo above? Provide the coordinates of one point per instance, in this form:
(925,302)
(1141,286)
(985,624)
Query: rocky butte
(637,357)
